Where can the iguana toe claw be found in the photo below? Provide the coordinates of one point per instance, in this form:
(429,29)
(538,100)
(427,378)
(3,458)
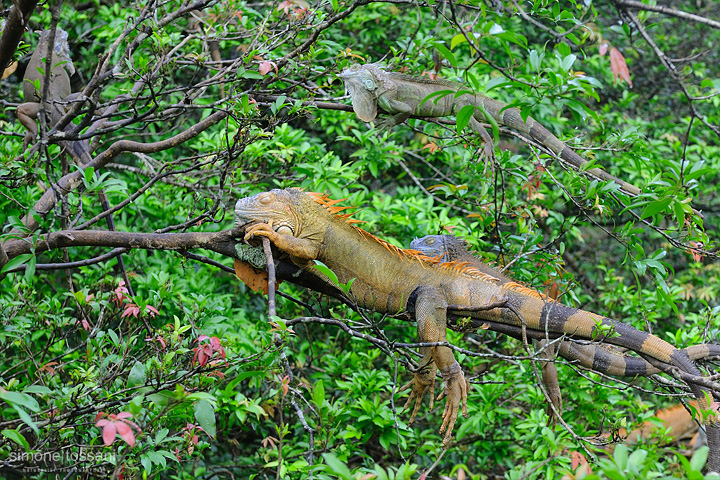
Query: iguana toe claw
(456,389)
(423,381)
(261,230)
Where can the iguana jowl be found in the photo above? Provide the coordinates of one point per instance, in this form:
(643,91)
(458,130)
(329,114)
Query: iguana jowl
(390,280)
(601,358)
(403,95)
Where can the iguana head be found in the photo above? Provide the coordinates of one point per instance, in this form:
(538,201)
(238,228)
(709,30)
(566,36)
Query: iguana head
(363,83)
(430,245)
(448,247)
(290,212)
(274,207)
(61,48)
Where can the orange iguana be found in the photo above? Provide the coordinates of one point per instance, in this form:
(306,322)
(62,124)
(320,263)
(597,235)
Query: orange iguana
(600,358)
(403,95)
(387,279)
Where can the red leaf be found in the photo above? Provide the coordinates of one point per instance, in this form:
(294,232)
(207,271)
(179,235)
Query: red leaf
(285,6)
(619,66)
(108,434)
(266,67)
(603,48)
(131,309)
(126,433)
(102,423)
(432,146)
(124,415)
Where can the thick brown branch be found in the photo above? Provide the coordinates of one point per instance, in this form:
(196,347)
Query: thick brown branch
(221,242)
(70,182)
(14,29)
(635,5)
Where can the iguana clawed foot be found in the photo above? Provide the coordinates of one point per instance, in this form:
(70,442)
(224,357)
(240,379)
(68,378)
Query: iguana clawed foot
(302,250)
(423,381)
(455,391)
(261,230)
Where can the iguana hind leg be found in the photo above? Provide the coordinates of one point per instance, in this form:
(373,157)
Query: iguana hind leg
(430,314)
(26,114)
(488,146)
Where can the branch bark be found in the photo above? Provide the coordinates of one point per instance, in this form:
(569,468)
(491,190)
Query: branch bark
(73,180)
(14,30)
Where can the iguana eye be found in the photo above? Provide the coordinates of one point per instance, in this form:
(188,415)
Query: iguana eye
(369,84)
(285,231)
(430,241)
(265,198)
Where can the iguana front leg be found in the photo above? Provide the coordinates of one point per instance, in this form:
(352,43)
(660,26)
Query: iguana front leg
(488,150)
(401,111)
(430,314)
(299,248)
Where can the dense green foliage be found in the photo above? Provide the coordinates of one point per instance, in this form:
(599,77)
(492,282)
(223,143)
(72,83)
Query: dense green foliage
(214,387)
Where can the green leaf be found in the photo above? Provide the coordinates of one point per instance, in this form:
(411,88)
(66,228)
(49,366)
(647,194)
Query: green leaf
(16,437)
(16,262)
(446,53)
(30,270)
(567,62)
(137,375)
(534,60)
(162,398)
(25,417)
(334,4)
(697,462)
(464,116)
(334,465)
(679,213)
(37,389)
(620,455)
(346,287)
(146,463)
(249,74)
(493,123)
(319,393)
(653,208)
(22,399)
(325,270)
(205,416)
(457,40)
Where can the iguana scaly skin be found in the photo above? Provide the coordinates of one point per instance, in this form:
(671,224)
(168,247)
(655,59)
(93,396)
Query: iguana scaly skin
(402,96)
(58,93)
(387,279)
(600,358)
(449,248)
(58,89)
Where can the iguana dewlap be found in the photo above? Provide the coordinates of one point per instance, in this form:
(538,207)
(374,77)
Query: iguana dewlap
(390,280)
(402,96)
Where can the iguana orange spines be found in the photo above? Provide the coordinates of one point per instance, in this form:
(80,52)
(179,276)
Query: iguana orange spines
(395,282)
(324,200)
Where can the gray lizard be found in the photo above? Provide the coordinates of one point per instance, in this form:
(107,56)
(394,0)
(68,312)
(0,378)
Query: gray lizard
(402,96)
